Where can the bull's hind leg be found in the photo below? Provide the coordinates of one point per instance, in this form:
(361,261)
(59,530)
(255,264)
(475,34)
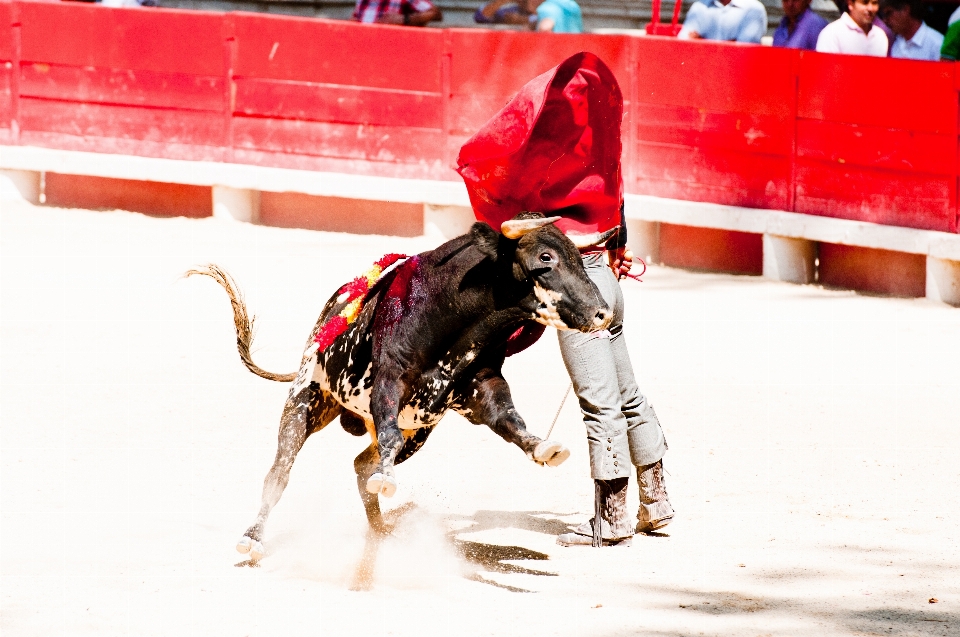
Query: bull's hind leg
(368,461)
(307,413)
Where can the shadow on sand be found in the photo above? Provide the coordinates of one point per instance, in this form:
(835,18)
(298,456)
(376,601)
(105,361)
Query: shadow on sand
(495,558)
(480,557)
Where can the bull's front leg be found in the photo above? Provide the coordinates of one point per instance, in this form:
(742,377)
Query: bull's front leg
(486,400)
(385,399)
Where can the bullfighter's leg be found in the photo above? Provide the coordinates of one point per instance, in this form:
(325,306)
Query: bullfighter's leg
(366,465)
(486,399)
(622,428)
(307,413)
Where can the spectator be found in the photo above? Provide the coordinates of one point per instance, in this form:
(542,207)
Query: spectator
(730,20)
(558,16)
(853,33)
(799,27)
(877,22)
(915,40)
(414,13)
(950,51)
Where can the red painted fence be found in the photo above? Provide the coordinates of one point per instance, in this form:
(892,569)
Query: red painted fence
(842,136)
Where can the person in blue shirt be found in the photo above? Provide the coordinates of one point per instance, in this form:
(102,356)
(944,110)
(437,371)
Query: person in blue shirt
(557,16)
(915,40)
(729,20)
(800,27)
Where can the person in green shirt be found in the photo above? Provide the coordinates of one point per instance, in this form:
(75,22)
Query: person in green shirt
(950,51)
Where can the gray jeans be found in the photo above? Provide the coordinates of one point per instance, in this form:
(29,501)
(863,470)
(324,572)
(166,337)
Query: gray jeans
(622,428)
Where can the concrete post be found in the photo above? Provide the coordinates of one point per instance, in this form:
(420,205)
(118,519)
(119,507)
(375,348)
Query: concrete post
(943,280)
(787,259)
(20,185)
(447,221)
(643,238)
(238,204)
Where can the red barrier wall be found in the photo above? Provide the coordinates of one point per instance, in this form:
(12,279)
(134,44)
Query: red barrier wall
(338,96)
(9,33)
(122,81)
(843,136)
(715,123)
(877,141)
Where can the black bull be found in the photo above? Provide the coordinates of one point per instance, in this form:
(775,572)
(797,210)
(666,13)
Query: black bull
(432,336)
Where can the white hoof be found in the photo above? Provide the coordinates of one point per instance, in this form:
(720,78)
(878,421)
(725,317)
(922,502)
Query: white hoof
(551,453)
(383,484)
(251,546)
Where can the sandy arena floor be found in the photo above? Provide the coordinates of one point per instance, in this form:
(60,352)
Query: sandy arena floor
(813,458)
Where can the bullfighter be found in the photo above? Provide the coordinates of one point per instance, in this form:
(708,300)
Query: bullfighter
(555,148)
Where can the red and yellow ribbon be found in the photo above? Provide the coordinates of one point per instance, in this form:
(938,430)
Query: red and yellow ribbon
(353,294)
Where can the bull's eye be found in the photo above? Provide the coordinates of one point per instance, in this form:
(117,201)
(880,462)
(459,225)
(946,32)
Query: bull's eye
(546,257)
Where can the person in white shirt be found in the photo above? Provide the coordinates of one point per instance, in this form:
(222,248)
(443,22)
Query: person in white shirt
(854,33)
(915,40)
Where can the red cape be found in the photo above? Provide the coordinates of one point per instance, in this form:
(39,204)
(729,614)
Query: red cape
(554,148)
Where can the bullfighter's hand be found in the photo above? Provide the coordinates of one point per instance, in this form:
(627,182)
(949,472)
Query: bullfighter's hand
(621,260)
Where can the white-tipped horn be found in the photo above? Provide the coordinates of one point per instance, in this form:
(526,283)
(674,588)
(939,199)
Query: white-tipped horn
(516,228)
(591,239)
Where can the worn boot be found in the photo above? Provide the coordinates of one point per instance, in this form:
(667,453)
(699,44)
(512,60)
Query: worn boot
(610,507)
(655,510)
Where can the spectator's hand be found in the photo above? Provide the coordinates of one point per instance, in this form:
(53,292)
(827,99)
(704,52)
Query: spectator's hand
(390,18)
(693,35)
(546,24)
(621,260)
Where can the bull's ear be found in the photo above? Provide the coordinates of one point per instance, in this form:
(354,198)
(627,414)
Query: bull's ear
(486,239)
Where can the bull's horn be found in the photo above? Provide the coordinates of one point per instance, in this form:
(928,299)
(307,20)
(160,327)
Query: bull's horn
(591,239)
(516,228)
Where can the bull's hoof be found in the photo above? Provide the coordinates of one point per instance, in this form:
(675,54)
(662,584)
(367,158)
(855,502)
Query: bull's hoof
(251,546)
(551,452)
(383,484)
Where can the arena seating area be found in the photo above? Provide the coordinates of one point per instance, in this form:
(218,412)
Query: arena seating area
(210,96)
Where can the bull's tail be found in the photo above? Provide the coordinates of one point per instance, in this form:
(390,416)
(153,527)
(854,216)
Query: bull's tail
(243,323)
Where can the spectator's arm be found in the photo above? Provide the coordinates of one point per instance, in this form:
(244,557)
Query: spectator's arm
(810,42)
(754,25)
(491,12)
(420,18)
(416,13)
(510,14)
(547,16)
(691,25)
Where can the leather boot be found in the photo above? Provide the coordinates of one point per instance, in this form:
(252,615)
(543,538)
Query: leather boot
(610,506)
(655,510)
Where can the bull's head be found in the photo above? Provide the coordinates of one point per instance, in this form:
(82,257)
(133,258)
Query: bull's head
(563,296)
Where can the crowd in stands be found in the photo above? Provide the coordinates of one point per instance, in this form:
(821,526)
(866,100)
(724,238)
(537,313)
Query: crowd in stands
(881,28)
